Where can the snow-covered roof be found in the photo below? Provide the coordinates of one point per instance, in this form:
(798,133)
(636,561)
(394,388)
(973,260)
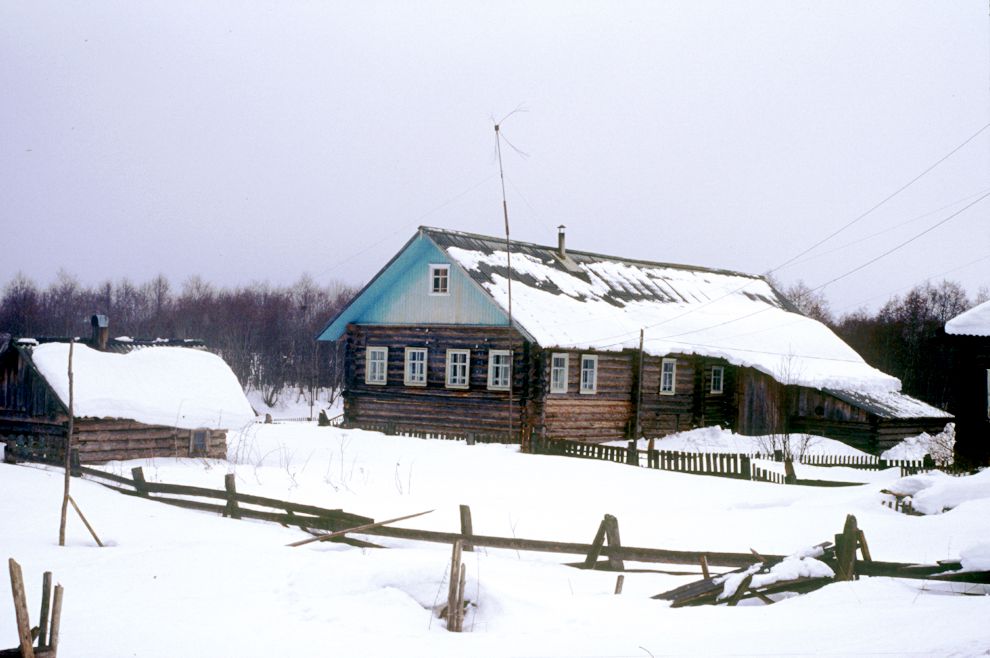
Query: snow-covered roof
(974,322)
(890,404)
(170,386)
(597,302)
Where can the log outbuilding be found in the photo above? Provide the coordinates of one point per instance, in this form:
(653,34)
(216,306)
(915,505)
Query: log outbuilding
(132,399)
(598,348)
(968,336)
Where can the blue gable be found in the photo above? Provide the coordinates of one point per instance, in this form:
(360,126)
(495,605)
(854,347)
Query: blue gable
(400,294)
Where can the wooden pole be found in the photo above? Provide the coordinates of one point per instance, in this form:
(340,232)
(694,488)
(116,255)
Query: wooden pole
(56,620)
(704,567)
(845,550)
(20,609)
(618,583)
(68,451)
(229,485)
(454,586)
(638,429)
(612,534)
(46,601)
(508,270)
(466,527)
(85,522)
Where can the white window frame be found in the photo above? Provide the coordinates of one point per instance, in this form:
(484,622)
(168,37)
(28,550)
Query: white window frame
(409,376)
(668,387)
(455,382)
(717,390)
(370,374)
(499,381)
(559,384)
(593,387)
(435,269)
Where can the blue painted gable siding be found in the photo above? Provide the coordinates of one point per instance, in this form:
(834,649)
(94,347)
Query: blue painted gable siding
(400,294)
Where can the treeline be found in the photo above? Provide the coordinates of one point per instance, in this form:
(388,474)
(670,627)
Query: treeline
(266,333)
(905,337)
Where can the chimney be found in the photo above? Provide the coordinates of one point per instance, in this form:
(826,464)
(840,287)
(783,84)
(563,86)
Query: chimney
(101,331)
(561,251)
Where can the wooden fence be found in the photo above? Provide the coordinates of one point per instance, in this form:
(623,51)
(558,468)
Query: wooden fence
(471,438)
(730,465)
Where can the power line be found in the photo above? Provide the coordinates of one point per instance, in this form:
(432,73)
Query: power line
(884,200)
(903,244)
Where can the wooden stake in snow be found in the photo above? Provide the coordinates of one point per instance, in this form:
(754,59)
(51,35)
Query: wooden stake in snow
(85,522)
(68,451)
(47,633)
(455,590)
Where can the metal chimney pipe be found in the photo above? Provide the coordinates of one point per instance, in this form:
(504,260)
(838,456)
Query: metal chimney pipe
(561,249)
(101,331)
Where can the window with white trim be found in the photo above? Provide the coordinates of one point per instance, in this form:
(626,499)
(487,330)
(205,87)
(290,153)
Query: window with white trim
(439,279)
(499,369)
(589,373)
(668,376)
(376,366)
(558,372)
(718,379)
(458,368)
(414,373)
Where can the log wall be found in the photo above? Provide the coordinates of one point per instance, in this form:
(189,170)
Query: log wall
(435,407)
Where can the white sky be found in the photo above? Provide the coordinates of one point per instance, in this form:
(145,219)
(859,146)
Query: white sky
(248,141)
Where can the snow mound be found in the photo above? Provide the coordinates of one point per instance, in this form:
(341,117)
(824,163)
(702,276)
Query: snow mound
(936,492)
(717,440)
(800,565)
(940,446)
(170,386)
(976,557)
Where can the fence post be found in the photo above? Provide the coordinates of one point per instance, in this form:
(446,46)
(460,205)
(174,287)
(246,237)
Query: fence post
(140,484)
(466,528)
(746,467)
(232,510)
(75,467)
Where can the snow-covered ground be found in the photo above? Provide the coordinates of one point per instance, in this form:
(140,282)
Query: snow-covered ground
(174,582)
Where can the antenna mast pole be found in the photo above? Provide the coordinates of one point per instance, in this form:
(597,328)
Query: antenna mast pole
(508,267)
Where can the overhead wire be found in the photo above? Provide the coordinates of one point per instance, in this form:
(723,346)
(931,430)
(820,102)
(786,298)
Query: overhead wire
(885,199)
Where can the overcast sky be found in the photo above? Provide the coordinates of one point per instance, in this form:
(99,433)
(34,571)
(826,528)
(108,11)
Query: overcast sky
(251,141)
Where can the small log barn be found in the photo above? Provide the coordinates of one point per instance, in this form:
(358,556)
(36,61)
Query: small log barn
(132,399)
(598,348)
(968,335)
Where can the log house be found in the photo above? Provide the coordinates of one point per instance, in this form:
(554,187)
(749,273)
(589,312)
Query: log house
(427,340)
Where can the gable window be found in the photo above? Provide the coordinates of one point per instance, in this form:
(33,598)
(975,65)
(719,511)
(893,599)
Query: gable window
(415,370)
(376,367)
(589,373)
(499,369)
(668,375)
(458,368)
(558,372)
(198,442)
(718,379)
(439,279)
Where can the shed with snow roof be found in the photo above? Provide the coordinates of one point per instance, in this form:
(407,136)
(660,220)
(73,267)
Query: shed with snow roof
(432,344)
(968,335)
(131,399)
